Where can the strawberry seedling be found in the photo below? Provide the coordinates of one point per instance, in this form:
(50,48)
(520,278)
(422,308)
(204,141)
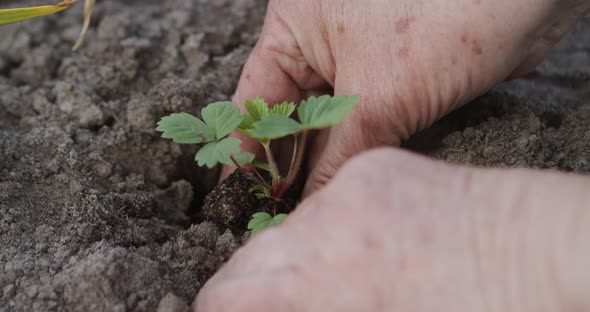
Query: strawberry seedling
(263,124)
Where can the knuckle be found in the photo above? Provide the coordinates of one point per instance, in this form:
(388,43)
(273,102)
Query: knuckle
(323,173)
(377,161)
(367,118)
(377,122)
(316,182)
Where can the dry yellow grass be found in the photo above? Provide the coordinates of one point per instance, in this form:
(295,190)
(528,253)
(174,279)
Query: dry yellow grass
(10,16)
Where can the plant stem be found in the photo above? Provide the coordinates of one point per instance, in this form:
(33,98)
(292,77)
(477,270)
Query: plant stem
(271,164)
(294,155)
(256,172)
(250,176)
(296,165)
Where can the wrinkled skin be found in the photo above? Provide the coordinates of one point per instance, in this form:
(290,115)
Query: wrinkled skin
(394,231)
(411,62)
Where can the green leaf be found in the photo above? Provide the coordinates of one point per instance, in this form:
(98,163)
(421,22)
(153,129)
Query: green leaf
(184,128)
(261,165)
(279,219)
(325,111)
(243,131)
(261,192)
(258,219)
(9,16)
(222,118)
(275,127)
(218,152)
(261,221)
(256,109)
(244,158)
(284,109)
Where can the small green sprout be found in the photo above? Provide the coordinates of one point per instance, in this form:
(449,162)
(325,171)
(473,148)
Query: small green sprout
(261,192)
(263,124)
(262,220)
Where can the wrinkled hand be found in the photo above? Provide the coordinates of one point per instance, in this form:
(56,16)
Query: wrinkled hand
(393,231)
(410,61)
(398,232)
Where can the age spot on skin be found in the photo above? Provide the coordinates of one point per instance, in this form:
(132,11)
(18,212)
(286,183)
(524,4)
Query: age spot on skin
(402,25)
(404,52)
(372,243)
(476,48)
(341,28)
(464,38)
(454,60)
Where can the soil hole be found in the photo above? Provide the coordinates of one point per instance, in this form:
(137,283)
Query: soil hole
(551,119)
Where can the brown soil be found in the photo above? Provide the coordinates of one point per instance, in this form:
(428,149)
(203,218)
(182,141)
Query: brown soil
(97,213)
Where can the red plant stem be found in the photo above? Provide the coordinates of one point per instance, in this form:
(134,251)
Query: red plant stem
(247,174)
(297,164)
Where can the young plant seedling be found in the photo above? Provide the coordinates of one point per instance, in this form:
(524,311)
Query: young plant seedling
(263,124)
(10,16)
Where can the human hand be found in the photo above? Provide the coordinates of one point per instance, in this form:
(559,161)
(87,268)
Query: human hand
(398,232)
(410,61)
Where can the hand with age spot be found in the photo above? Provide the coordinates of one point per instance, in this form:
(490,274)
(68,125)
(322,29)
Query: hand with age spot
(393,231)
(411,61)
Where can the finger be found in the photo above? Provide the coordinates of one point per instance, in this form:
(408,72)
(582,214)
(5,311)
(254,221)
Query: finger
(377,120)
(542,47)
(269,291)
(276,71)
(255,279)
(264,76)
